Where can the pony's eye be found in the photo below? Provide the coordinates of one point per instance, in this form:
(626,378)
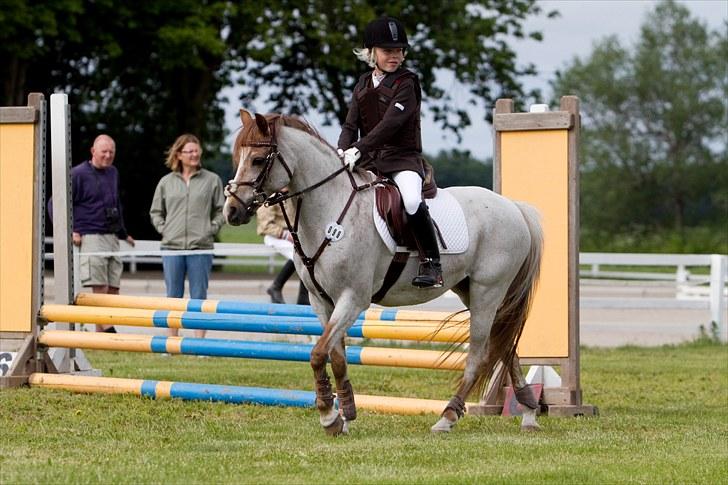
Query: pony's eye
(258,161)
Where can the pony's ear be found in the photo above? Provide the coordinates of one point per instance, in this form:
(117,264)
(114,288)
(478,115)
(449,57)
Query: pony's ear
(245,117)
(262,124)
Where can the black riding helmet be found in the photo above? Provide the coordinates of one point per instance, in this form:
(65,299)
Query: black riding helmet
(386,32)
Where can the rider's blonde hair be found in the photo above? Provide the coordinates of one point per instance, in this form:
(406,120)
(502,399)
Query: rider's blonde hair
(365,55)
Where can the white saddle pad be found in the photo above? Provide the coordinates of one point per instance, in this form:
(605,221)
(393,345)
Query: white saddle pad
(448,216)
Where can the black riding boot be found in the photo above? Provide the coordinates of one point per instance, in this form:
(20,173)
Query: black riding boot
(274,290)
(430,271)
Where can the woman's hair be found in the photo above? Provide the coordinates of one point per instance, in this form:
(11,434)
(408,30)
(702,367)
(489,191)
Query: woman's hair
(172,152)
(365,55)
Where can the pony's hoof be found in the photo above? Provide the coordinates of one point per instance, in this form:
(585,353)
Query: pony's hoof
(531,428)
(444,425)
(337,428)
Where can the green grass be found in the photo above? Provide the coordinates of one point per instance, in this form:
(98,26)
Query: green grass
(244,234)
(664,419)
(240,234)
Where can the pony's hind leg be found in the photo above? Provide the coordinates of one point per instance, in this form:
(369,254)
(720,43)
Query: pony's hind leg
(524,395)
(481,321)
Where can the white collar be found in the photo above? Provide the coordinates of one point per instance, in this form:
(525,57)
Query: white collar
(377,79)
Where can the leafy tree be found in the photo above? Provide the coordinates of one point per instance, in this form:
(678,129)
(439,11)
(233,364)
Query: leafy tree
(145,72)
(456,167)
(301,57)
(653,127)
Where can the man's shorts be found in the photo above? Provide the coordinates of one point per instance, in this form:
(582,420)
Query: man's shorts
(100,270)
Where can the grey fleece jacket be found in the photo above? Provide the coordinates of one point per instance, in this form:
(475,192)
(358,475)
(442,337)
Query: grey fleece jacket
(188,217)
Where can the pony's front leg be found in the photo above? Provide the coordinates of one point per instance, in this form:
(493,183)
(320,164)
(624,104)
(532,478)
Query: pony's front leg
(344,390)
(524,395)
(328,416)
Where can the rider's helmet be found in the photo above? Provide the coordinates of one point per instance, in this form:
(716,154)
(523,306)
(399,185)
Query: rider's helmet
(386,32)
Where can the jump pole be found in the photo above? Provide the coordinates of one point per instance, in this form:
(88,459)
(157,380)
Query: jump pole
(380,329)
(537,161)
(230,394)
(242,349)
(248,308)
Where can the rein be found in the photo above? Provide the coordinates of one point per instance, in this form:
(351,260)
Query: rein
(261,198)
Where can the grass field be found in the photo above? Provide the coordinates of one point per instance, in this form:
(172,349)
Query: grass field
(664,419)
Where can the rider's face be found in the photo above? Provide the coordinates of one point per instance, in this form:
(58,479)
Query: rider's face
(388,59)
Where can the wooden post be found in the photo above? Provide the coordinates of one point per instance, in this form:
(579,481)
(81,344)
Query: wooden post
(536,161)
(22,162)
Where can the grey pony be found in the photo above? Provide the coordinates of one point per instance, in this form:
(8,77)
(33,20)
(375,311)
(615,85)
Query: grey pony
(495,278)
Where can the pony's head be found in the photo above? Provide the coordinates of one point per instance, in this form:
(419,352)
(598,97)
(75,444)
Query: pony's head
(258,166)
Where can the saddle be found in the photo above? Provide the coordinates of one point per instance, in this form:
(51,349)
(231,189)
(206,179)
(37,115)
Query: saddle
(389,205)
(390,208)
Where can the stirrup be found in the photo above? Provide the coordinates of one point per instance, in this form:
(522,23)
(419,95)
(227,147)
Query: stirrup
(429,275)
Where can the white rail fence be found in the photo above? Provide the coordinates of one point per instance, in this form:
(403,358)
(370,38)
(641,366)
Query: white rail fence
(224,254)
(693,289)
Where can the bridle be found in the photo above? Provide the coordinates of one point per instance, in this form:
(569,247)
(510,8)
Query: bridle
(259,195)
(261,198)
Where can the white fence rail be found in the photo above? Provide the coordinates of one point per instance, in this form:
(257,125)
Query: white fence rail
(224,254)
(691,288)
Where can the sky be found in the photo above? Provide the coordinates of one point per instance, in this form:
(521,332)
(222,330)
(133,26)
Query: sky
(572,34)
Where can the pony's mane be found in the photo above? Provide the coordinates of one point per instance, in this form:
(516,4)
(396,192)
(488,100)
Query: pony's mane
(251,134)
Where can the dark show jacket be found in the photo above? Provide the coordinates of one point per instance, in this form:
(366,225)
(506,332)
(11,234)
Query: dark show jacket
(388,119)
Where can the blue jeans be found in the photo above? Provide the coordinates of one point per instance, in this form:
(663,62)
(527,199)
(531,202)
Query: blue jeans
(195,267)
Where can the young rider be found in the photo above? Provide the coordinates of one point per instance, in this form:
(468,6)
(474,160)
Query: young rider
(382,133)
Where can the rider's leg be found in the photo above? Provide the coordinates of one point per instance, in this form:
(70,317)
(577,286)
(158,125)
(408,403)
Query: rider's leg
(418,216)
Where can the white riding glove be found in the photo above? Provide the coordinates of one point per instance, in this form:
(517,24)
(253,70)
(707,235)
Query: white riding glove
(350,157)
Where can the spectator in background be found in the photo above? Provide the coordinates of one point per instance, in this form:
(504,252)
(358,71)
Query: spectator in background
(187,212)
(272,226)
(98,221)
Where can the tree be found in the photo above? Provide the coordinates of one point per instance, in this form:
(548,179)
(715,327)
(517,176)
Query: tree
(146,72)
(653,126)
(456,167)
(143,72)
(302,54)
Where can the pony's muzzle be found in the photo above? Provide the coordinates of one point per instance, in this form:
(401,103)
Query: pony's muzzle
(236,214)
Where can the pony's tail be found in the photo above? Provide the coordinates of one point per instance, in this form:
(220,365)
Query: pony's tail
(511,315)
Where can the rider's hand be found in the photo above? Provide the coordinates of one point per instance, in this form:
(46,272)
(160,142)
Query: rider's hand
(350,157)
(340,152)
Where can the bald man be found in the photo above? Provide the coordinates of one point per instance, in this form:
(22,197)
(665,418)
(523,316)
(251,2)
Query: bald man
(98,222)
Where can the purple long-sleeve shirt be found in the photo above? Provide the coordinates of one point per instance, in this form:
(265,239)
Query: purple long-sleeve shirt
(94,191)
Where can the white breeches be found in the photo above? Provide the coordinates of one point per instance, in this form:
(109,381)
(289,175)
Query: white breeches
(284,247)
(410,186)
